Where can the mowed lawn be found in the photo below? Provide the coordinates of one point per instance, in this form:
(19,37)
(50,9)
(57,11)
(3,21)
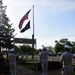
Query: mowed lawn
(51,58)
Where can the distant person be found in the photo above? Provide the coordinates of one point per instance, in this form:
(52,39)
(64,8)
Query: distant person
(12,59)
(22,56)
(66,61)
(2,65)
(44,60)
(26,56)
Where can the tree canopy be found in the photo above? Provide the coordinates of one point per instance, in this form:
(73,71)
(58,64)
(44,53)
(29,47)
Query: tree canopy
(59,46)
(6,32)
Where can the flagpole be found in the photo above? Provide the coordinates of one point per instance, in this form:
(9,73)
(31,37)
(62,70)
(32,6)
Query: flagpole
(33,19)
(33,29)
(33,38)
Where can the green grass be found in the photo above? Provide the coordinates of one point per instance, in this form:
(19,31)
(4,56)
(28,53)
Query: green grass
(27,65)
(30,66)
(73,73)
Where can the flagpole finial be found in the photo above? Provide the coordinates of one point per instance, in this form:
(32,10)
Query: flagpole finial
(33,5)
(1,1)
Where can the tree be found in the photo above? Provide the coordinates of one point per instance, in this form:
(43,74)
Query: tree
(73,45)
(50,49)
(59,46)
(17,48)
(63,41)
(39,50)
(25,48)
(6,32)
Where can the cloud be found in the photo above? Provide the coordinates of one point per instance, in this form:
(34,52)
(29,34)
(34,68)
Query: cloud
(53,6)
(57,6)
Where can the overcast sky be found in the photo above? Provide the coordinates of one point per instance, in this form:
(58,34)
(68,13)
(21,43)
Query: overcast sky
(53,19)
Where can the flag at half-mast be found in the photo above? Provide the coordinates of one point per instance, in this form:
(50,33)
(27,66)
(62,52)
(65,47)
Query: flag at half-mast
(26,27)
(25,17)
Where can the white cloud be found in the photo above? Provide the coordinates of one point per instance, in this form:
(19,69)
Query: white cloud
(53,6)
(57,6)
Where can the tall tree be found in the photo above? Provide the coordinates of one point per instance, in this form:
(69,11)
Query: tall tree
(6,32)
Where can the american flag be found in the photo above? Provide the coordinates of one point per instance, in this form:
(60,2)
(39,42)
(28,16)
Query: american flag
(25,17)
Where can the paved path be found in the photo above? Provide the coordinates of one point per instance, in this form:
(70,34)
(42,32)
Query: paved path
(24,71)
